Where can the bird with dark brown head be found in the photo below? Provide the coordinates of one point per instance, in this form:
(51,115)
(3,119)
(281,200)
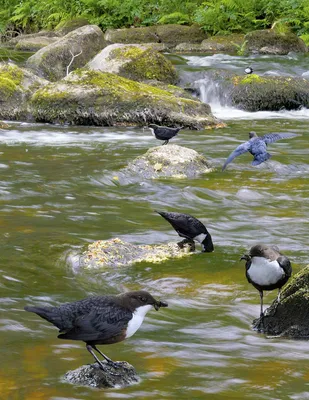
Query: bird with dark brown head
(100,319)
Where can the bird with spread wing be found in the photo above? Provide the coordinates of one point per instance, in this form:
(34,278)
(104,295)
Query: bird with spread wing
(257,146)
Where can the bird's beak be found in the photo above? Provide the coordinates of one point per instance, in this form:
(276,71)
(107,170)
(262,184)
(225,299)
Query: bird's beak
(159,304)
(245,257)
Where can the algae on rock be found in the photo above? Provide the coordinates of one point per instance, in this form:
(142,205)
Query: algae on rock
(99,98)
(116,253)
(291,316)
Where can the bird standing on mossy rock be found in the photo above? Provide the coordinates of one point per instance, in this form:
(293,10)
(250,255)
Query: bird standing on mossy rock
(257,146)
(189,228)
(100,319)
(163,132)
(267,269)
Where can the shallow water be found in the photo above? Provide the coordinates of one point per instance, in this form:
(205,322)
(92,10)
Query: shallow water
(57,194)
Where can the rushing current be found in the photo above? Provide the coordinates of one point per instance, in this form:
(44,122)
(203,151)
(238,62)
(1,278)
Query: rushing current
(58,194)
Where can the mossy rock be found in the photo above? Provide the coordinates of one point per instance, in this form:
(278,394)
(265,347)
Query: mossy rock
(291,316)
(137,62)
(170,161)
(16,87)
(116,253)
(65,27)
(214,44)
(268,41)
(35,43)
(99,98)
(269,93)
(171,34)
(52,61)
(44,33)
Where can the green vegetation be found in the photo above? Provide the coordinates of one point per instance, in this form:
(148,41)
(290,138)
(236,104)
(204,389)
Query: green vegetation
(214,16)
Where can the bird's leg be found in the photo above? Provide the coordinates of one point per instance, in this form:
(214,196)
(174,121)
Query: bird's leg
(192,245)
(261,297)
(111,362)
(101,365)
(182,243)
(166,141)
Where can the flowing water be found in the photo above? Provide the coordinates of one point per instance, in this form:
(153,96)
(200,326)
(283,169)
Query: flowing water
(57,194)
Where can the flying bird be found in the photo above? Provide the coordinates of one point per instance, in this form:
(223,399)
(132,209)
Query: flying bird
(257,146)
(163,132)
(100,319)
(267,269)
(189,228)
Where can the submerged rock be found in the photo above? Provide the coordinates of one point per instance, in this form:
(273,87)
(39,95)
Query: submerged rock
(100,98)
(291,316)
(134,61)
(170,161)
(116,253)
(92,375)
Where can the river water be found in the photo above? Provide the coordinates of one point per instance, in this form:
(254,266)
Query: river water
(57,194)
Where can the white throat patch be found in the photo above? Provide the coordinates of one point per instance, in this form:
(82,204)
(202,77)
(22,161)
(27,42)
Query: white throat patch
(137,319)
(264,272)
(201,237)
(152,131)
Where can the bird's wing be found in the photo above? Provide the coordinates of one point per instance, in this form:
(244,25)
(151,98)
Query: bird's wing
(166,133)
(285,264)
(273,137)
(101,323)
(185,225)
(241,149)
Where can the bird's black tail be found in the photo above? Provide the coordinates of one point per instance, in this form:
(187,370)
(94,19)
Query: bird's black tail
(48,313)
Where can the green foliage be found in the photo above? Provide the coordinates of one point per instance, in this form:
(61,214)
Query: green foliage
(214,16)
(175,18)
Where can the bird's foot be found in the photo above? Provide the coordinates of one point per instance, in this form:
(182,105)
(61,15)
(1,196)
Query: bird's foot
(104,367)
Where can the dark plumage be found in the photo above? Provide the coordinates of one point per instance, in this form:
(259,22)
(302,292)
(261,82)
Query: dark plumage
(257,147)
(100,319)
(267,269)
(189,228)
(163,132)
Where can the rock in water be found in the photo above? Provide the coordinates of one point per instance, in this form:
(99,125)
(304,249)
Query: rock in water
(92,375)
(116,253)
(170,161)
(291,316)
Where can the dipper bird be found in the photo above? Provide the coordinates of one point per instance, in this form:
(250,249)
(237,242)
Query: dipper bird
(100,319)
(267,269)
(257,147)
(163,132)
(248,70)
(189,228)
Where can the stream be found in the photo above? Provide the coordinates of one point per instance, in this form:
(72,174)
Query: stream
(57,195)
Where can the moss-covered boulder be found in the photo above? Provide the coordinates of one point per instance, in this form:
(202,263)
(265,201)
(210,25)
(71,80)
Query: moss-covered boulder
(92,375)
(16,87)
(170,161)
(65,27)
(268,41)
(99,98)
(291,316)
(171,34)
(269,93)
(137,62)
(214,44)
(116,253)
(54,61)
(35,43)
(31,36)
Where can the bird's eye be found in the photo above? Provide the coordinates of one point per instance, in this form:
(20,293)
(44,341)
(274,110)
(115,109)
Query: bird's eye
(143,299)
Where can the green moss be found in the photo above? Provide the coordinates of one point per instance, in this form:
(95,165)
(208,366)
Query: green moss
(126,52)
(10,79)
(248,79)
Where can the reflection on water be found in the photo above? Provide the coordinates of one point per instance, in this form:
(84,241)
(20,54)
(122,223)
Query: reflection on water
(56,196)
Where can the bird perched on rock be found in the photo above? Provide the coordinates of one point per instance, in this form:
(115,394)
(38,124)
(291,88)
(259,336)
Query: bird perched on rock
(267,269)
(100,319)
(163,132)
(189,228)
(257,146)
(248,70)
